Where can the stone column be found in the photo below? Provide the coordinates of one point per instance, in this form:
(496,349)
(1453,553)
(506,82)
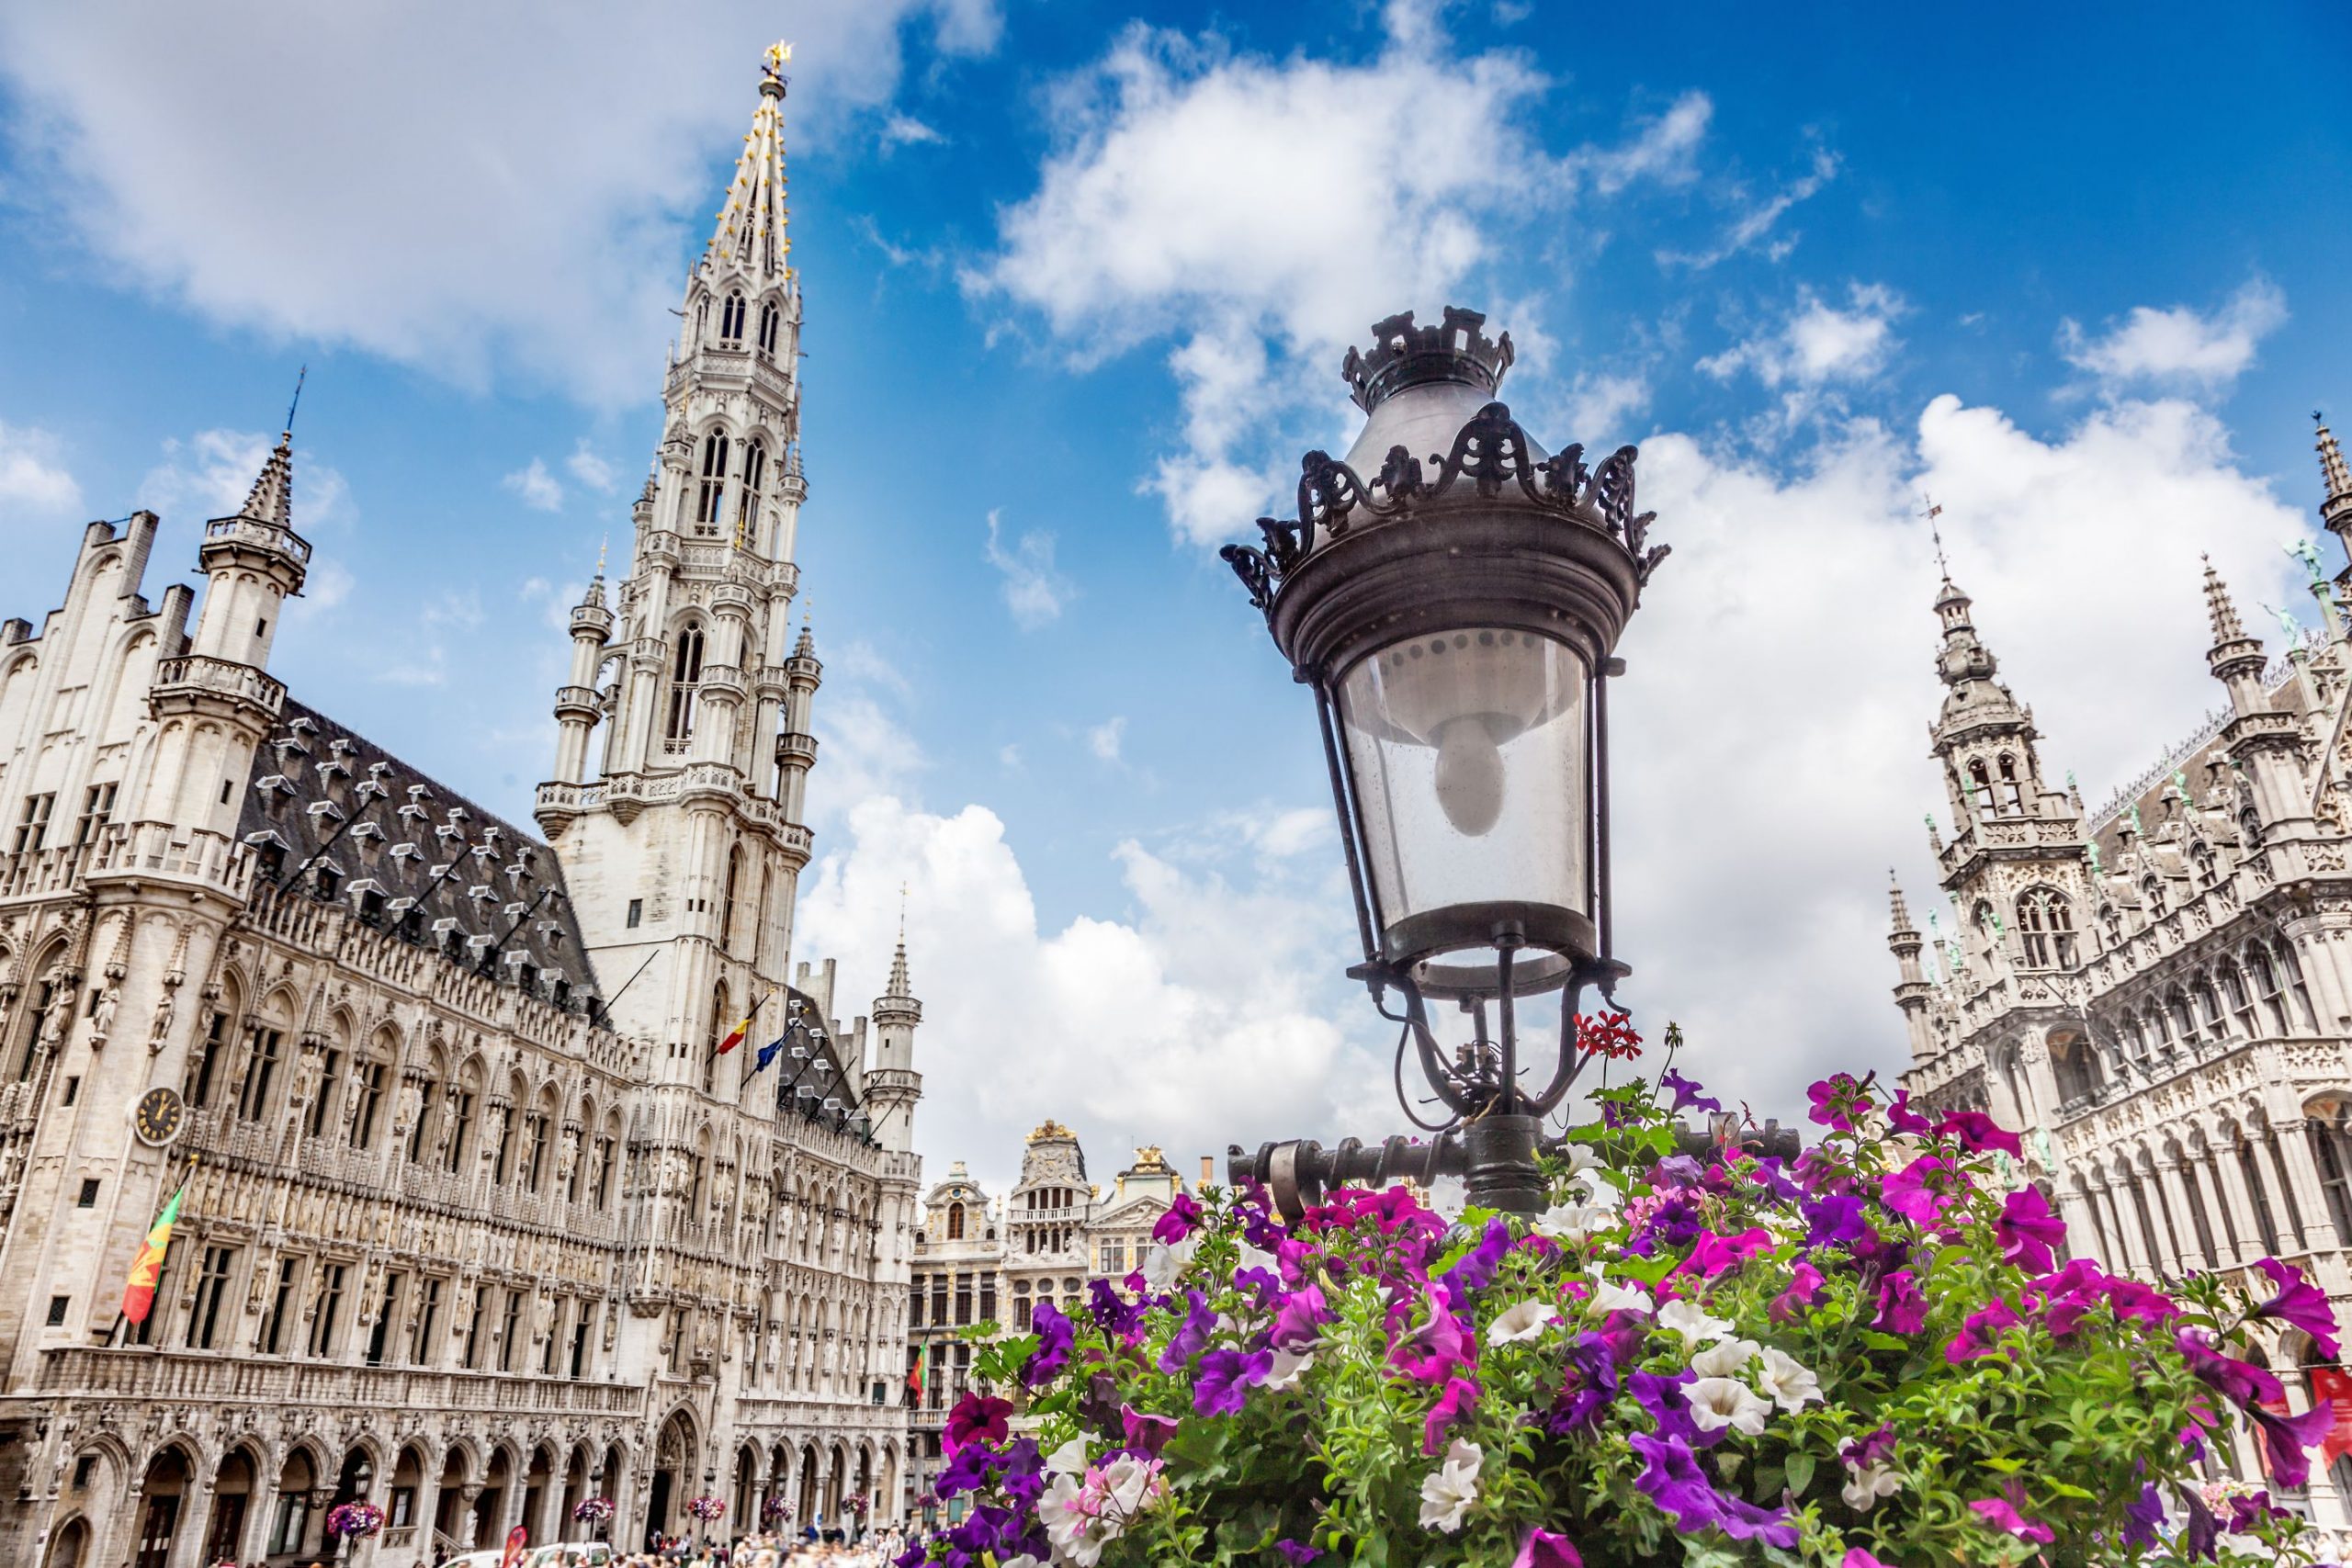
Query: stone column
(2129,1246)
(261,1509)
(2311,1198)
(2230,1178)
(2082,1233)
(468,1525)
(195,1520)
(2184,1218)
(2287,1207)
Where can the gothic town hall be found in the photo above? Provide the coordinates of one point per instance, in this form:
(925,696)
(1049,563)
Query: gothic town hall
(478,1224)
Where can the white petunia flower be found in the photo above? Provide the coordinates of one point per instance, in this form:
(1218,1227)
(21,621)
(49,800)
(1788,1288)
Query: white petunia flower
(1724,1357)
(1610,1296)
(1289,1367)
(1786,1382)
(1067,1524)
(1691,1321)
(1866,1486)
(1449,1490)
(1717,1403)
(1069,1459)
(1572,1223)
(1523,1321)
(1162,1263)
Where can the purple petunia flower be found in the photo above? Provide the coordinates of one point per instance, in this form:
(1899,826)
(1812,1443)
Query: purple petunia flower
(1686,1094)
(1146,1434)
(1112,1313)
(2299,1302)
(1901,1309)
(1296,1553)
(1834,1221)
(2287,1439)
(2142,1516)
(1900,1117)
(1590,1385)
(1804,1285)
(1182,1218)
(2005,1513)
(1660,1393)
(977,1418)
(1675,1170)
(1917,1190)
(1979,1329)
(2198,1534)
(1221,1385)
(2242,1381)
(1299,1320)
(1767,1174)
(1543,1549)
(1672,1478)
(1475,1269)
(1055,1336)
(1192,1336)
(2029,1233)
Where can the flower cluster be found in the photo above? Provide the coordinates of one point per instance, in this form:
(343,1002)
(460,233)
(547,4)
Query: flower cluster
(706,1507)
(592,1510)
(1872,1356)
(775,1511)
(355,1519)
(856,1505)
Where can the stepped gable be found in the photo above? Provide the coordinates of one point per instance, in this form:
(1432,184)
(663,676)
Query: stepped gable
(344,821)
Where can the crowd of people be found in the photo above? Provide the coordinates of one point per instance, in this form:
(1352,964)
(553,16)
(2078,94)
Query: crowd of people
(806,1549)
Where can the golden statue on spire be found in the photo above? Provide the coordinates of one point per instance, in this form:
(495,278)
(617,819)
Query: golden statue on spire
(778,56)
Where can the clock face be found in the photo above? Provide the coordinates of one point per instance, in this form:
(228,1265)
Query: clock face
(157,1117)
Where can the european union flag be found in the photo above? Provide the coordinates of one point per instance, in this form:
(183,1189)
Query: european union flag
(768,1053)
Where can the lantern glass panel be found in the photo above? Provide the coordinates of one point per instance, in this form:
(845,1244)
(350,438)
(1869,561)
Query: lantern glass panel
(1468,750)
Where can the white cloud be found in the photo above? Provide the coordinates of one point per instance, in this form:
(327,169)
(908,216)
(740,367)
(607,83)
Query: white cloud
(1754,227)
(865,752)
(1770,822)
(1133,1029)
(483,217)
(1033,591)
(905,131)
(1819,343)
(537,487)
(589,469)
(33,478)
(1105,738)
(2179,347)
(1599,405)
(1248,208)
(210,474)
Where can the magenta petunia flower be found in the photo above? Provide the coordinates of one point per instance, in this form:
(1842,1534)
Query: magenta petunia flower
(1182,1218)
(1836,1100)
(1916,1192)
(1221,1385)
(2001,1513)
(2241,1382)
(1979,1133)
(1901,1309)
(1805,1284)
(1979,1329)
(2299,1302)
(977,1418)
(2029,1233)
(1542,1549)
(1720,1254)
(1460,1397)
(2287,1439)
(1902,1118)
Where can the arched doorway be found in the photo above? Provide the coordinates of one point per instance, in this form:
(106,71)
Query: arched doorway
(400,1511)
(69,1548)
(575,1490)
(233,1485)
(673,1475)
(291,1526)
(490,1507)
(538,1481)
(808,1501)
(163,1498)
(607,1480)
(746,1501)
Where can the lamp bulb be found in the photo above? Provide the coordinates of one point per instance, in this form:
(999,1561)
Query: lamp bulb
(1469,775)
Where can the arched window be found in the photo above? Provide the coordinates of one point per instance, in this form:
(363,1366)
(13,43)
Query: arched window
(2250,828)
(2046,926)
(711,504)
(2184,1022)
(2210,1020)
(2201,856)
(2152,890)
(2266,985)
(2241,1003)
(728,901)
(1981,789)
(769,316)
(955,1222)
(730,319)
(755,473)
(686,674)
(2293,969)
(2011,796)
(2335,1161)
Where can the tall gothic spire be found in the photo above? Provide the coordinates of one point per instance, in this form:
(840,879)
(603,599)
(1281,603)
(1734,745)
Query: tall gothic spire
(271,500)
(750,228)
(2218,605)
(2335,508)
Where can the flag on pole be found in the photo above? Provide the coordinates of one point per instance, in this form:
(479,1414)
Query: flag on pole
(914,1374)
(139,1295)
(744,1028)
(768,1053)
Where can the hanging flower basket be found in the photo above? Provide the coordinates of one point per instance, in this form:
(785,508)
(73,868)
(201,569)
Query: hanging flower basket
(1867,1356)
(775,1511)
(355,1520)
(856,1505)
(592,1510)
(706,1507)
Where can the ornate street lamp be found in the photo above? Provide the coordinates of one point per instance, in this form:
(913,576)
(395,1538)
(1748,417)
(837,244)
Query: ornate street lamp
(1454,596)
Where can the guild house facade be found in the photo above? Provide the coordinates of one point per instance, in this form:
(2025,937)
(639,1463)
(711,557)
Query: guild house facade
(477,1222)
(982,1259)
(2157,994)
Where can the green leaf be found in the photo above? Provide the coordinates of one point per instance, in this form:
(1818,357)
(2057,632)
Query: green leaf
(1799,1472)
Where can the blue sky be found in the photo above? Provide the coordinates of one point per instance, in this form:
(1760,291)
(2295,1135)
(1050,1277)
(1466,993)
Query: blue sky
(1078,281)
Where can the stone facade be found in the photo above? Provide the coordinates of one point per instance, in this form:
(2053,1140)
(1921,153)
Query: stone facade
(979,1259)
(2158,994)
(478,1221)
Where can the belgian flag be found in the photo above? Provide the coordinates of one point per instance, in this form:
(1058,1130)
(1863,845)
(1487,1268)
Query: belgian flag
(139,1295)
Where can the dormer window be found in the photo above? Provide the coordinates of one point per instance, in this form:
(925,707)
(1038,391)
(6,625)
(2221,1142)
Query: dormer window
(269,855)
(371,839)
(370,899)
(329,878)
(325,810)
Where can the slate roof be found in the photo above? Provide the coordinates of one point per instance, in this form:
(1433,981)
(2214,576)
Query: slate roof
(344,821)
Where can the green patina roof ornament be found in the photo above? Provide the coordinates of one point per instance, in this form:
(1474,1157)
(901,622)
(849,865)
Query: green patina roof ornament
(2136,828)
(2096,869)
(2302,550)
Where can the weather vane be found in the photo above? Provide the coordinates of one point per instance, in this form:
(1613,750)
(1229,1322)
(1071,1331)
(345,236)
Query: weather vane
(1936,532)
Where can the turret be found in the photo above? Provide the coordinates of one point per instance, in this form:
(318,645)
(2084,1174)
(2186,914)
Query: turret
(577,704)
(253,562)
(1913,991)
(892,1085)
(2335,475)
(2267,745)
(796,746)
